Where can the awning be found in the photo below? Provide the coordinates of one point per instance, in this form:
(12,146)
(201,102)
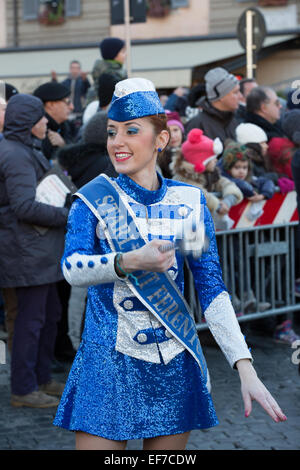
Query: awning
(168,63)
(171,64)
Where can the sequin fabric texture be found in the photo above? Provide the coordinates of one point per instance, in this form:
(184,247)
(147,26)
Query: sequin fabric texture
(130,379)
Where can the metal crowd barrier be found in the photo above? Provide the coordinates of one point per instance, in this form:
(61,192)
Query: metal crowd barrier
(259,259)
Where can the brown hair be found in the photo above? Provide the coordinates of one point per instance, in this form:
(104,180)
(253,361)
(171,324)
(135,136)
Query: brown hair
(159,122)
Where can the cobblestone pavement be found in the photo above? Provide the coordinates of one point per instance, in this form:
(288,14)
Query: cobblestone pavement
(32,429)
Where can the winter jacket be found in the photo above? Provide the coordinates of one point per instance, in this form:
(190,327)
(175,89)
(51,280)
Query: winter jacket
(29,255)
(165,159)
(280,152)
(209,183)
(260,163)
(84,161)
(260,185)
(272,130)
(88,158)
(213,122)
(80,90)
(101,66)
(65,129)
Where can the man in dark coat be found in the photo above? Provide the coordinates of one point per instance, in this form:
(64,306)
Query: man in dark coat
(217,115)
(58,106)
(78,84)
(263,109)
(31,246)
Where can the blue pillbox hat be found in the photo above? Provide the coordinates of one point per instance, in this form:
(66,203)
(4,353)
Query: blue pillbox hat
(134,98)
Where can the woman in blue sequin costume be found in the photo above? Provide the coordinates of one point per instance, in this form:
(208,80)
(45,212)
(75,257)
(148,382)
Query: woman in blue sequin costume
(133,377)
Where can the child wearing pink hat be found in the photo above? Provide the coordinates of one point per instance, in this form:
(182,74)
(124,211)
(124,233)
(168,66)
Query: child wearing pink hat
(196,165)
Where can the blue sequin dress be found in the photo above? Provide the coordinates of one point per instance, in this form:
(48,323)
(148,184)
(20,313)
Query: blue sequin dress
(130,379)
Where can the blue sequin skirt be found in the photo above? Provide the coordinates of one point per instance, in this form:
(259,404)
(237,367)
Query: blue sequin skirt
(118,397)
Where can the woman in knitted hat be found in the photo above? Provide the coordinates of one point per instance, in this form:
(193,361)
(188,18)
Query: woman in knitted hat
(176,138)
(139,372)
(196,164)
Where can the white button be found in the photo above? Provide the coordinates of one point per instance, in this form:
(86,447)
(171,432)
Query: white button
(182,211)
(172,273)
(168,334)
(128,304)
(142,337)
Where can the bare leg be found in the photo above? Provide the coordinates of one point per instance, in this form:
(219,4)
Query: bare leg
(85,441)
(173,442)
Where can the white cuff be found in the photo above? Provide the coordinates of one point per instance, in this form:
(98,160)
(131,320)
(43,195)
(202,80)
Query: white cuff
(223,324)
(90,270)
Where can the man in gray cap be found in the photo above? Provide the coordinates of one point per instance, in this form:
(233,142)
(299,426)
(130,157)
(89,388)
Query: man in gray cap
(218,107)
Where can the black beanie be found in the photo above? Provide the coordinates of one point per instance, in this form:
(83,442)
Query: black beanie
(107,83)
(110,47)
(51,91)
(10,91)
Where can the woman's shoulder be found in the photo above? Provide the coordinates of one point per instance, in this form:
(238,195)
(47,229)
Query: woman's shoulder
(179,185)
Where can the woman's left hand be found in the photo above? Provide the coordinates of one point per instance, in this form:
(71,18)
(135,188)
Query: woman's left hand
(253,389)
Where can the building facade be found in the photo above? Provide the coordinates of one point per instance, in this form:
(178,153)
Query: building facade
(178,43)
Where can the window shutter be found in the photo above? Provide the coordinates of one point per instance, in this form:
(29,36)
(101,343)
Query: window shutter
(30,9)
(72,8)
(179,3)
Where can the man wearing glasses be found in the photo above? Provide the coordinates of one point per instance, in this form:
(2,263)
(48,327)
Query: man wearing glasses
(264,109)
(58,106)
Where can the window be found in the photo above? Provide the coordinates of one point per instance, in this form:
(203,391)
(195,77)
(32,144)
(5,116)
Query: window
(72,8)
(179,3)
(32,8)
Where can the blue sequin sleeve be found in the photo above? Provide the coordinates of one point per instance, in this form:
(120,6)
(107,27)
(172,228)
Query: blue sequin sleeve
(206,270)
(81,231)
(88,259)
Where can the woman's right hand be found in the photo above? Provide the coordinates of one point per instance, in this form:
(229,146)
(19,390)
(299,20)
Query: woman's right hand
(149,258)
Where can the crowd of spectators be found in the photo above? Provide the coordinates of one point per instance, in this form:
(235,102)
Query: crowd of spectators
(230,137)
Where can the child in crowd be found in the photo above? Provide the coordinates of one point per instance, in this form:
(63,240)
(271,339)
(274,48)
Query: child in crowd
(263,156)
(196,164)
(237,166)
(256,140)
